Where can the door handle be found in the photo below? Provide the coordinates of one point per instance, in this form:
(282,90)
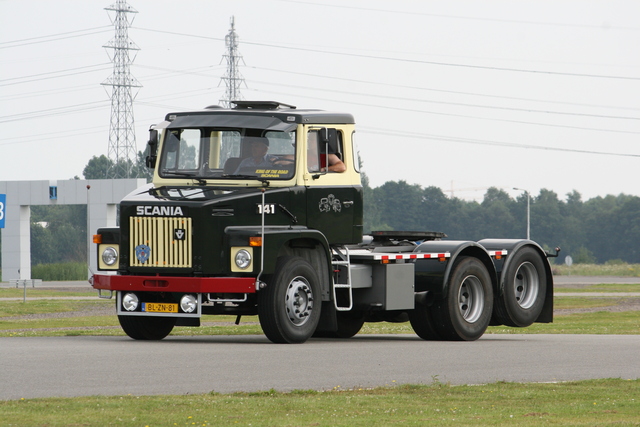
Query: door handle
(348,203)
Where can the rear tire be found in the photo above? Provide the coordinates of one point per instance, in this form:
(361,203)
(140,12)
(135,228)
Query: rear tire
(147,328)
(465,312)
(524,292)
(289,306)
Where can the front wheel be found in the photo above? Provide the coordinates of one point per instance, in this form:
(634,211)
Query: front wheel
(289,306)
(465,312)
(147,328)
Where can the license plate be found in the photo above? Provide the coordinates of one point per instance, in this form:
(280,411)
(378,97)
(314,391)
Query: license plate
(157,307)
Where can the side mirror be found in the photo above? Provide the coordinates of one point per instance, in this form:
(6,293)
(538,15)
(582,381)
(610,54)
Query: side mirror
(328,137)
(153,149)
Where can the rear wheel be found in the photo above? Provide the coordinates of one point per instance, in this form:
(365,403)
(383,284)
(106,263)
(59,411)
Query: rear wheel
(289,306)
(147,328)
(465,312)
(525,287)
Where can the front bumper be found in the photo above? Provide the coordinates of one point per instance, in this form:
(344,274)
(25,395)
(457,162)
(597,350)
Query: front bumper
(196,285)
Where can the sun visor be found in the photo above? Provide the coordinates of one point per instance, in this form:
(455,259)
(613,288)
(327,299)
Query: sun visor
(231,121)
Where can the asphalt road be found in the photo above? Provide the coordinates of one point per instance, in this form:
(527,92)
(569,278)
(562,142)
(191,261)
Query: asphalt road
(83,366)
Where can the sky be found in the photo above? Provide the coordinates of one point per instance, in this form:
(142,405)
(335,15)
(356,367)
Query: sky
(461,95)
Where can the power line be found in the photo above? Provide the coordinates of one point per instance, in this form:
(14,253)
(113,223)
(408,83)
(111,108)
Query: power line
(407,60)
(51,111)
(511,98)
(173,33)
(53,72)
(52,77)
(440,113)
(48,92)
(470,18)
(52,37)
(448,64)
(387,132)
(461,104)
(169,71)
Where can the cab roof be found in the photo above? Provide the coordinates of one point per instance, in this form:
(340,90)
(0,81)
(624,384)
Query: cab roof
(256,114)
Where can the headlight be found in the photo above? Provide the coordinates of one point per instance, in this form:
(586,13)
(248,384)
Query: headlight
(109,255)
(130,302)
(243,259)
(188,303)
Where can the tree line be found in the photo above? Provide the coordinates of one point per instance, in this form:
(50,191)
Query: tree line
(596,231)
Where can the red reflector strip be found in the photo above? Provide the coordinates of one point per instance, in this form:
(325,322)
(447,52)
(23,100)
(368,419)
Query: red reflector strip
(387,257)
(497,253)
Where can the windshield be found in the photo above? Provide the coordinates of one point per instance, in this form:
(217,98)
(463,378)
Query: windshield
(209,153)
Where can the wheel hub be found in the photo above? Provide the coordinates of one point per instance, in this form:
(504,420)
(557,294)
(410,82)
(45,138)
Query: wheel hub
(471,299)
(299,301)
(527,285)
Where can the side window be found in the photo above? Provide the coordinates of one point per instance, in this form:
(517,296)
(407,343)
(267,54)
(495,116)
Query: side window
(324,150)
(356,153)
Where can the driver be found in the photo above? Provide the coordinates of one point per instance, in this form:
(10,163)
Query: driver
(259,157)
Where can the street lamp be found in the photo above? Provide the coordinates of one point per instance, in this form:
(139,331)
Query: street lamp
(528,211)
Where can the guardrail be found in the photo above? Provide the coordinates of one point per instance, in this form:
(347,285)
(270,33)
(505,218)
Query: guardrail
(24,283)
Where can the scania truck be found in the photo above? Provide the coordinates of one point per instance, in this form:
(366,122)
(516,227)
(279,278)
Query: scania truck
(258,210)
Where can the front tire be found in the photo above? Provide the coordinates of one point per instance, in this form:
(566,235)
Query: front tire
(289,306)
(465,312)
(525,287)
(147,328)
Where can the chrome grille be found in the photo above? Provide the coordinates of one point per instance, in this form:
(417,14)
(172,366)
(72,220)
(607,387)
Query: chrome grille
(159,235)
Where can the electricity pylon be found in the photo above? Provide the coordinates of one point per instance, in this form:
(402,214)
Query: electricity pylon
(122,137)
(232,78)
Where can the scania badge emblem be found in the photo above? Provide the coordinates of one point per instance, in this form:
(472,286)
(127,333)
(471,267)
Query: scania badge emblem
(142,253)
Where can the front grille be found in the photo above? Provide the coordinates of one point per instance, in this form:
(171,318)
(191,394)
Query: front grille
(160,241)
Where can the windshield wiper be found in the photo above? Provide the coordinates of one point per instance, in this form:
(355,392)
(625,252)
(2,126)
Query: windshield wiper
(193,176)
(257,178)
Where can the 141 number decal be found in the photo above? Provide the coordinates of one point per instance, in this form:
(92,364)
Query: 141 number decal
(267,208)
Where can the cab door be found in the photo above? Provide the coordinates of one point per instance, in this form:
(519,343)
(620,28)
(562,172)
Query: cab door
(334,193)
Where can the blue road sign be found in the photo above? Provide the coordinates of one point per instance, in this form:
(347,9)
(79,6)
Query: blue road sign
(3,208)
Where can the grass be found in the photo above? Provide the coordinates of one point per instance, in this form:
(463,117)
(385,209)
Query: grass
(60,271)
(603,287)
(40,306)
(46,293)
(20,319)
(601,322)
(582,403)
(611,269)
